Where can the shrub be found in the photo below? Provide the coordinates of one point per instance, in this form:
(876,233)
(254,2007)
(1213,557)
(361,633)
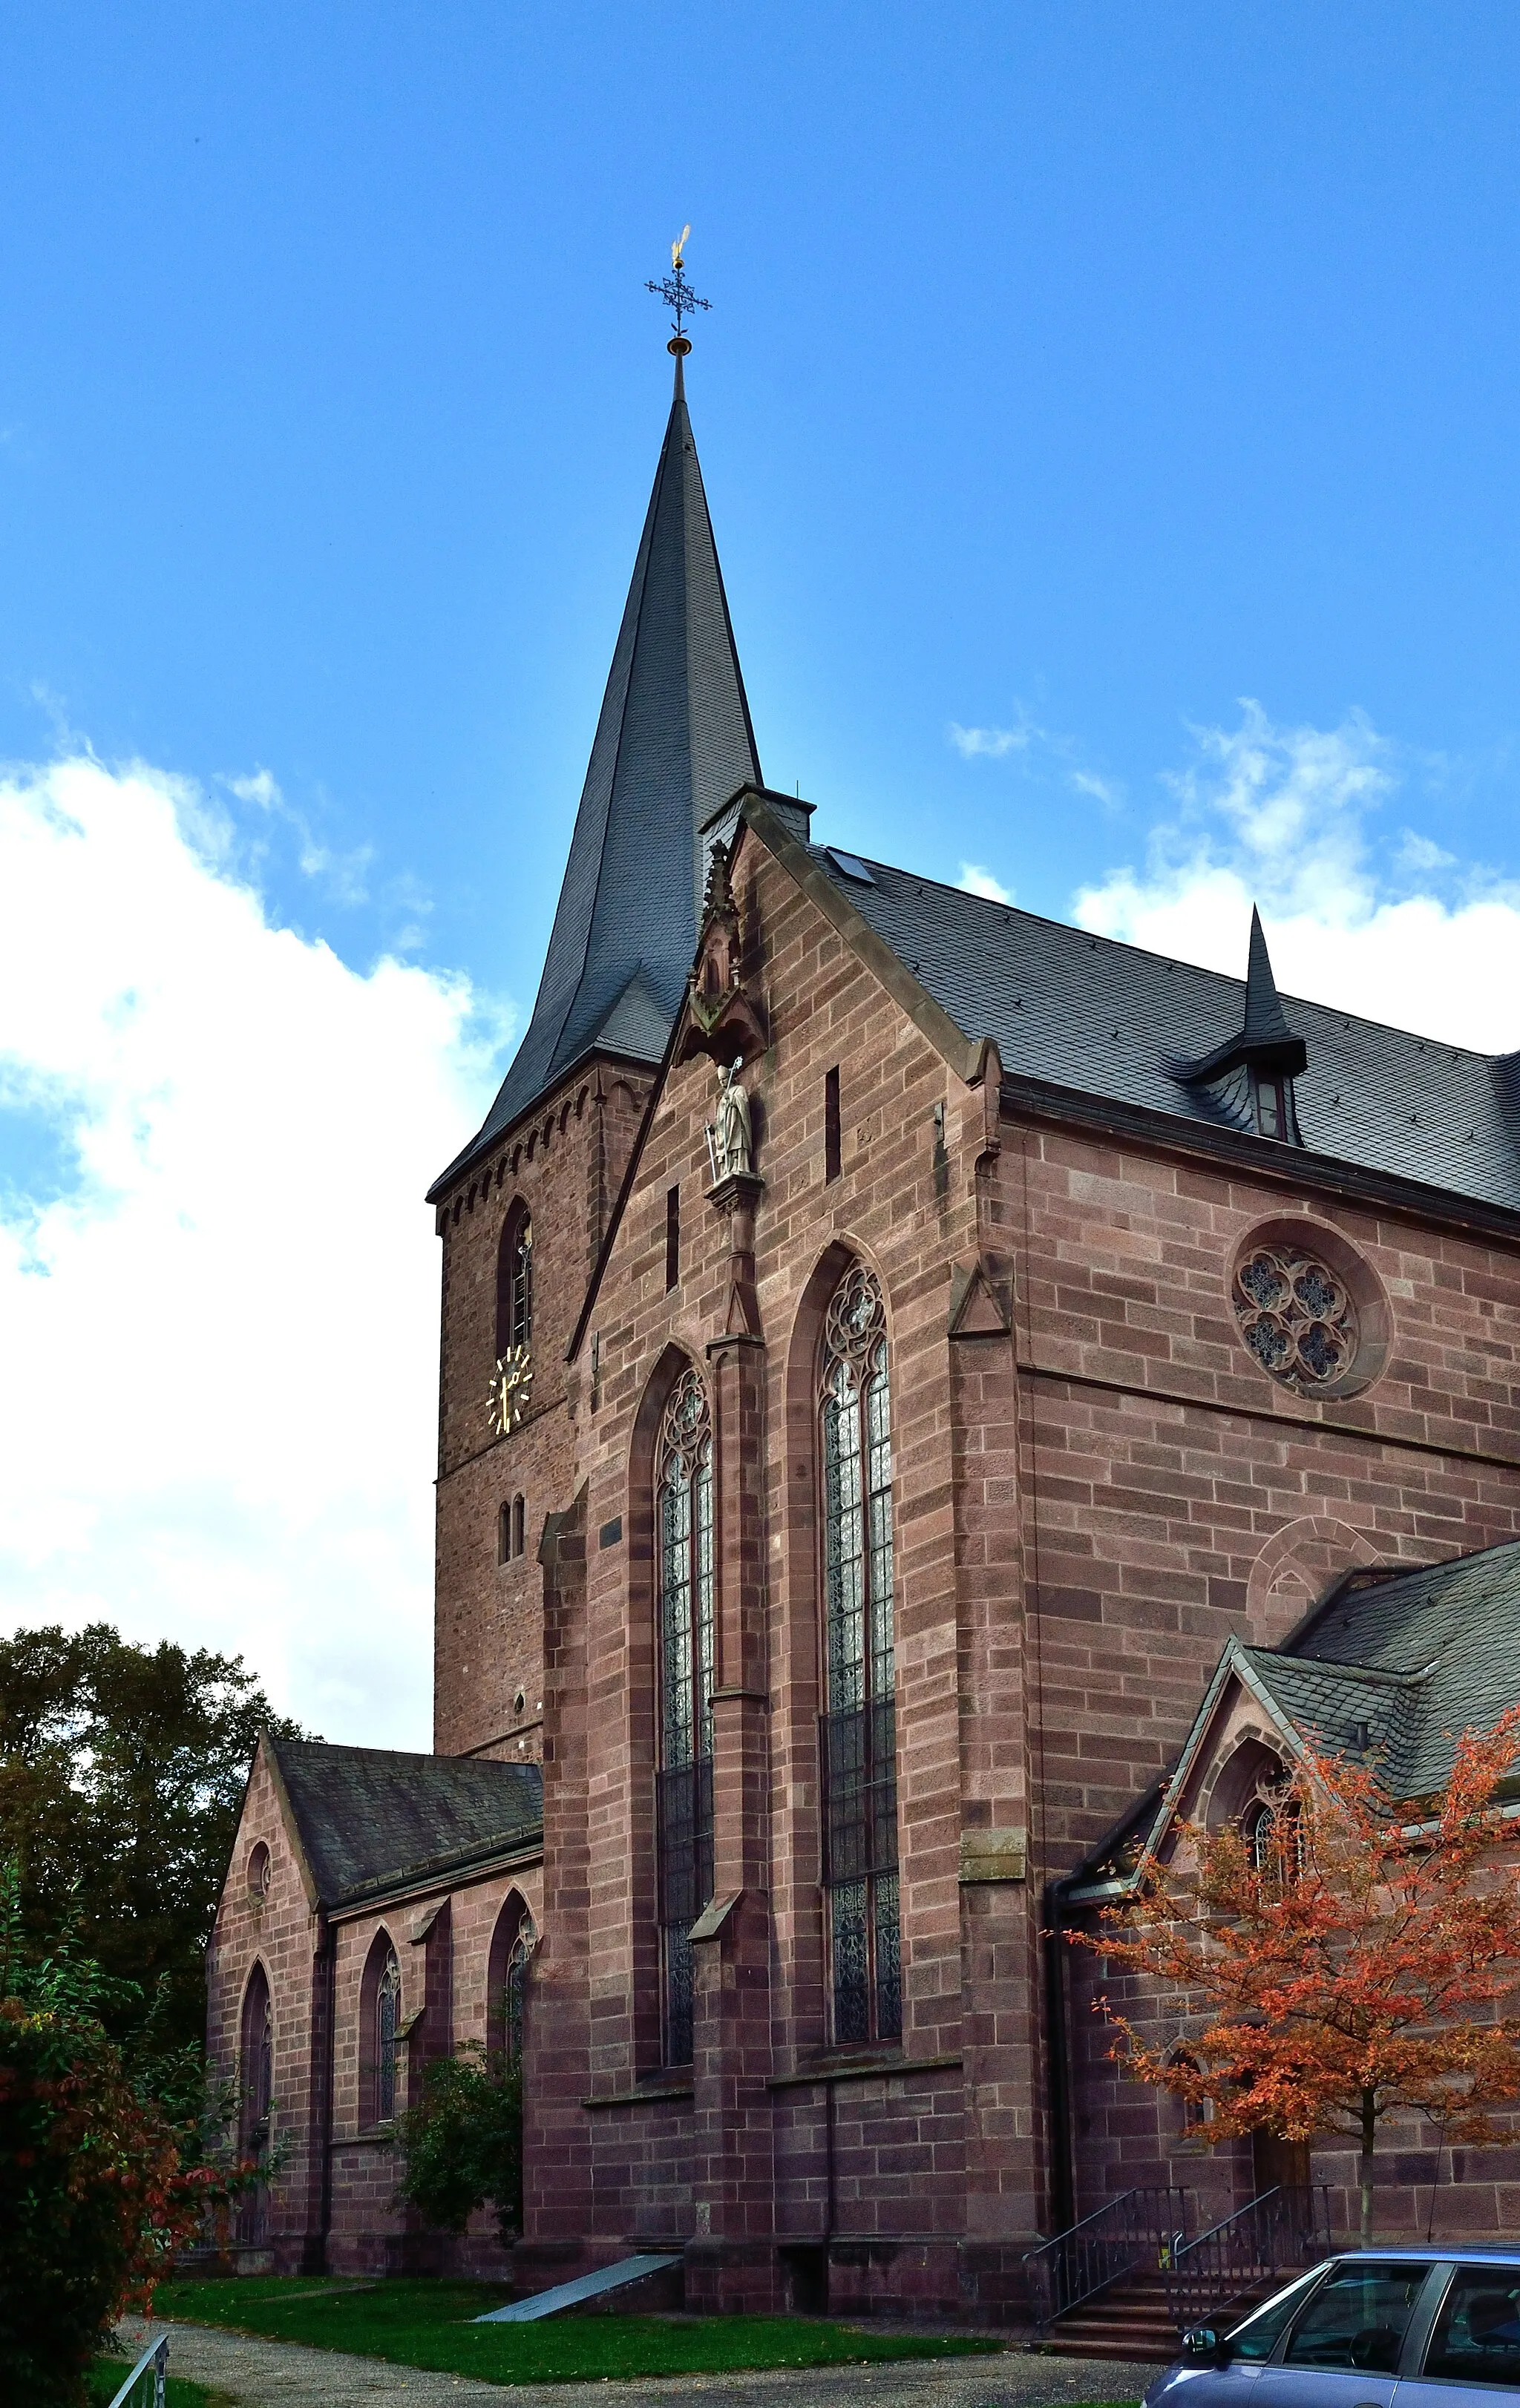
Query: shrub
(93,2200)
(463,2141)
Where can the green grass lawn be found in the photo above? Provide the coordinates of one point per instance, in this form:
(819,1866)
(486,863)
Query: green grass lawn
(108,2374)
(418,2323)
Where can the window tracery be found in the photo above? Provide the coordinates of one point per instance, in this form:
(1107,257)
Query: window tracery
(524,1941)
(859,1724)
(683,1522)
(387,2033)
(1296,1316)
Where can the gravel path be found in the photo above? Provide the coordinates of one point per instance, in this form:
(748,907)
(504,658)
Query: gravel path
(278,2374)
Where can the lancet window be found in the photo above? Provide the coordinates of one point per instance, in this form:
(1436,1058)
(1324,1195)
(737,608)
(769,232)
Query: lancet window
(515,1978)
(256,2084)
(683,1520)
(387,2028)
(859,1724)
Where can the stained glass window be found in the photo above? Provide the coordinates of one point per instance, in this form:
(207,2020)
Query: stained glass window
(387,2019)
(684,1513)
(859,1746)
(523,1942)
(1296,1317)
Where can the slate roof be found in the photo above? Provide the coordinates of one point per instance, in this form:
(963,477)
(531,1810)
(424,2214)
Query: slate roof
(372,1817)
(1108,1021)
(672,744)
(1420,1657)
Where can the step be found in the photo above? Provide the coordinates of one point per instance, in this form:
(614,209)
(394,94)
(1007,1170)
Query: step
(1143,2348)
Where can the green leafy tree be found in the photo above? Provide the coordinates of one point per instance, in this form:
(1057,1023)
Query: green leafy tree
(463,2141)
(94,2195)
(1357,1969)
(122,1772)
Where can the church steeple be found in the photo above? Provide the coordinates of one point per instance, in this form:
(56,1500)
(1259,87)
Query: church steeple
(673,744)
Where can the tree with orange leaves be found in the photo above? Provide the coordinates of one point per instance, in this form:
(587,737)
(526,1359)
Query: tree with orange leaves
(1354,1959)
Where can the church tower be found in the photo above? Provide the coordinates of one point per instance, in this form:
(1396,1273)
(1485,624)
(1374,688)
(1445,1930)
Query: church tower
(522,1210)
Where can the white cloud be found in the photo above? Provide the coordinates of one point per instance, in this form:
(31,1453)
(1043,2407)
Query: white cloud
(1282,817)
(217,1344)
(1102,790)
(1039,748)
(974,880)
(992,741)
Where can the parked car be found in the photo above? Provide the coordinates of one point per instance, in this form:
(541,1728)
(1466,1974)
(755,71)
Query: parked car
(1435,2328)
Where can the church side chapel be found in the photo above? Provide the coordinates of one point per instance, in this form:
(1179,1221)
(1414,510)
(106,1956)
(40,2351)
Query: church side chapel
(916,1380)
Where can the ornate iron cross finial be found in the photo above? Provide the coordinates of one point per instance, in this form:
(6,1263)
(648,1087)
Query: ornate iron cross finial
(678,295)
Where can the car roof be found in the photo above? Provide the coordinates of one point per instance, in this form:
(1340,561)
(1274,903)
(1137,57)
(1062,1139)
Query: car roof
(1494,2254)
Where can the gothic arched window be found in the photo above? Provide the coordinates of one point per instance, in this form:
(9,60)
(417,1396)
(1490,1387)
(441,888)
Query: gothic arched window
(256,2066)
(1274,1837)
(859,1726)
(684,1525)
(255,2098)
(386,2013)
(514,1286)
(524,1940)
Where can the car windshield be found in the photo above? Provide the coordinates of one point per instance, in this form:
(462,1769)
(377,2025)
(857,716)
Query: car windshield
(1260,2333)
(1477,2334)
(1358,2318)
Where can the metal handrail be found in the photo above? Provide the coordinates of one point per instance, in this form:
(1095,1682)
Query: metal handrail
(156,2357)
(1143,2227)
(1279,2229)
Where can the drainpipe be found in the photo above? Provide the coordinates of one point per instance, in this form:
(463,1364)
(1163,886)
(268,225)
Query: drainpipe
(1058,2062)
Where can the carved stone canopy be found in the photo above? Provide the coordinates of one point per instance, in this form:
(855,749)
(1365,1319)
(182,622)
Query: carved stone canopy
(722,1019)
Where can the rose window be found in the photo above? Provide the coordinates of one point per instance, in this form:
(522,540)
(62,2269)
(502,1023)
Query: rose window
(1295,1316)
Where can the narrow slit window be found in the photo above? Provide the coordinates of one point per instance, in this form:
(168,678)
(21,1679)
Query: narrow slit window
(831,1124)
(504,1535)
(519,1524)
(672,1239)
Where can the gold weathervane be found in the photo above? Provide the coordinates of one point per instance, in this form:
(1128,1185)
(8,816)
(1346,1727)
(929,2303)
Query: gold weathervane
(677,294)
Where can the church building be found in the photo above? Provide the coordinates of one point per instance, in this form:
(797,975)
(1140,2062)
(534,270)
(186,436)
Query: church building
(915,1379)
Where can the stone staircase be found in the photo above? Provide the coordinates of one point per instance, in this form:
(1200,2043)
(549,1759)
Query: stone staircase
(1130,2320)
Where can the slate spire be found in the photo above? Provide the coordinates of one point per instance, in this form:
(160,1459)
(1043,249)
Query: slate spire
(673,742)
(1265,1023)
(1264,1040)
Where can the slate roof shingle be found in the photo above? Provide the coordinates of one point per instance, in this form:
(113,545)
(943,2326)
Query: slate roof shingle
(1419,1655)
(372,1817)
(1108,1021)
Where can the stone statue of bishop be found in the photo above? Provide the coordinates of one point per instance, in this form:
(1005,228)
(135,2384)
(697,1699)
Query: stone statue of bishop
(733,1135)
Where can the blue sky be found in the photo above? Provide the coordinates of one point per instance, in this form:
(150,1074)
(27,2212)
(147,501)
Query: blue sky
(1099,364)
(1109,416)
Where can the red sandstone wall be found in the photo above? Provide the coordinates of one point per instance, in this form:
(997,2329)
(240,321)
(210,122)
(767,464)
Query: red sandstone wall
(1086,1508)
(566,1166)
(1161,1466)
(283,1932)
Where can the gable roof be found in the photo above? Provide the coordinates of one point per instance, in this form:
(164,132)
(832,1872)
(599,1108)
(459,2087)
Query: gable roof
(1420,1656)
(372,1818)
(1398,1664)
(673,744)
(1099,1019)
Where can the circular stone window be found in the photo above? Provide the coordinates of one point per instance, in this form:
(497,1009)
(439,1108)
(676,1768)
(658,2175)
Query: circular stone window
(1310,1310)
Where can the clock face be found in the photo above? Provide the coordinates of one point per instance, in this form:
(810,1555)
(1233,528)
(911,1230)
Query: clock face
(511,1391)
